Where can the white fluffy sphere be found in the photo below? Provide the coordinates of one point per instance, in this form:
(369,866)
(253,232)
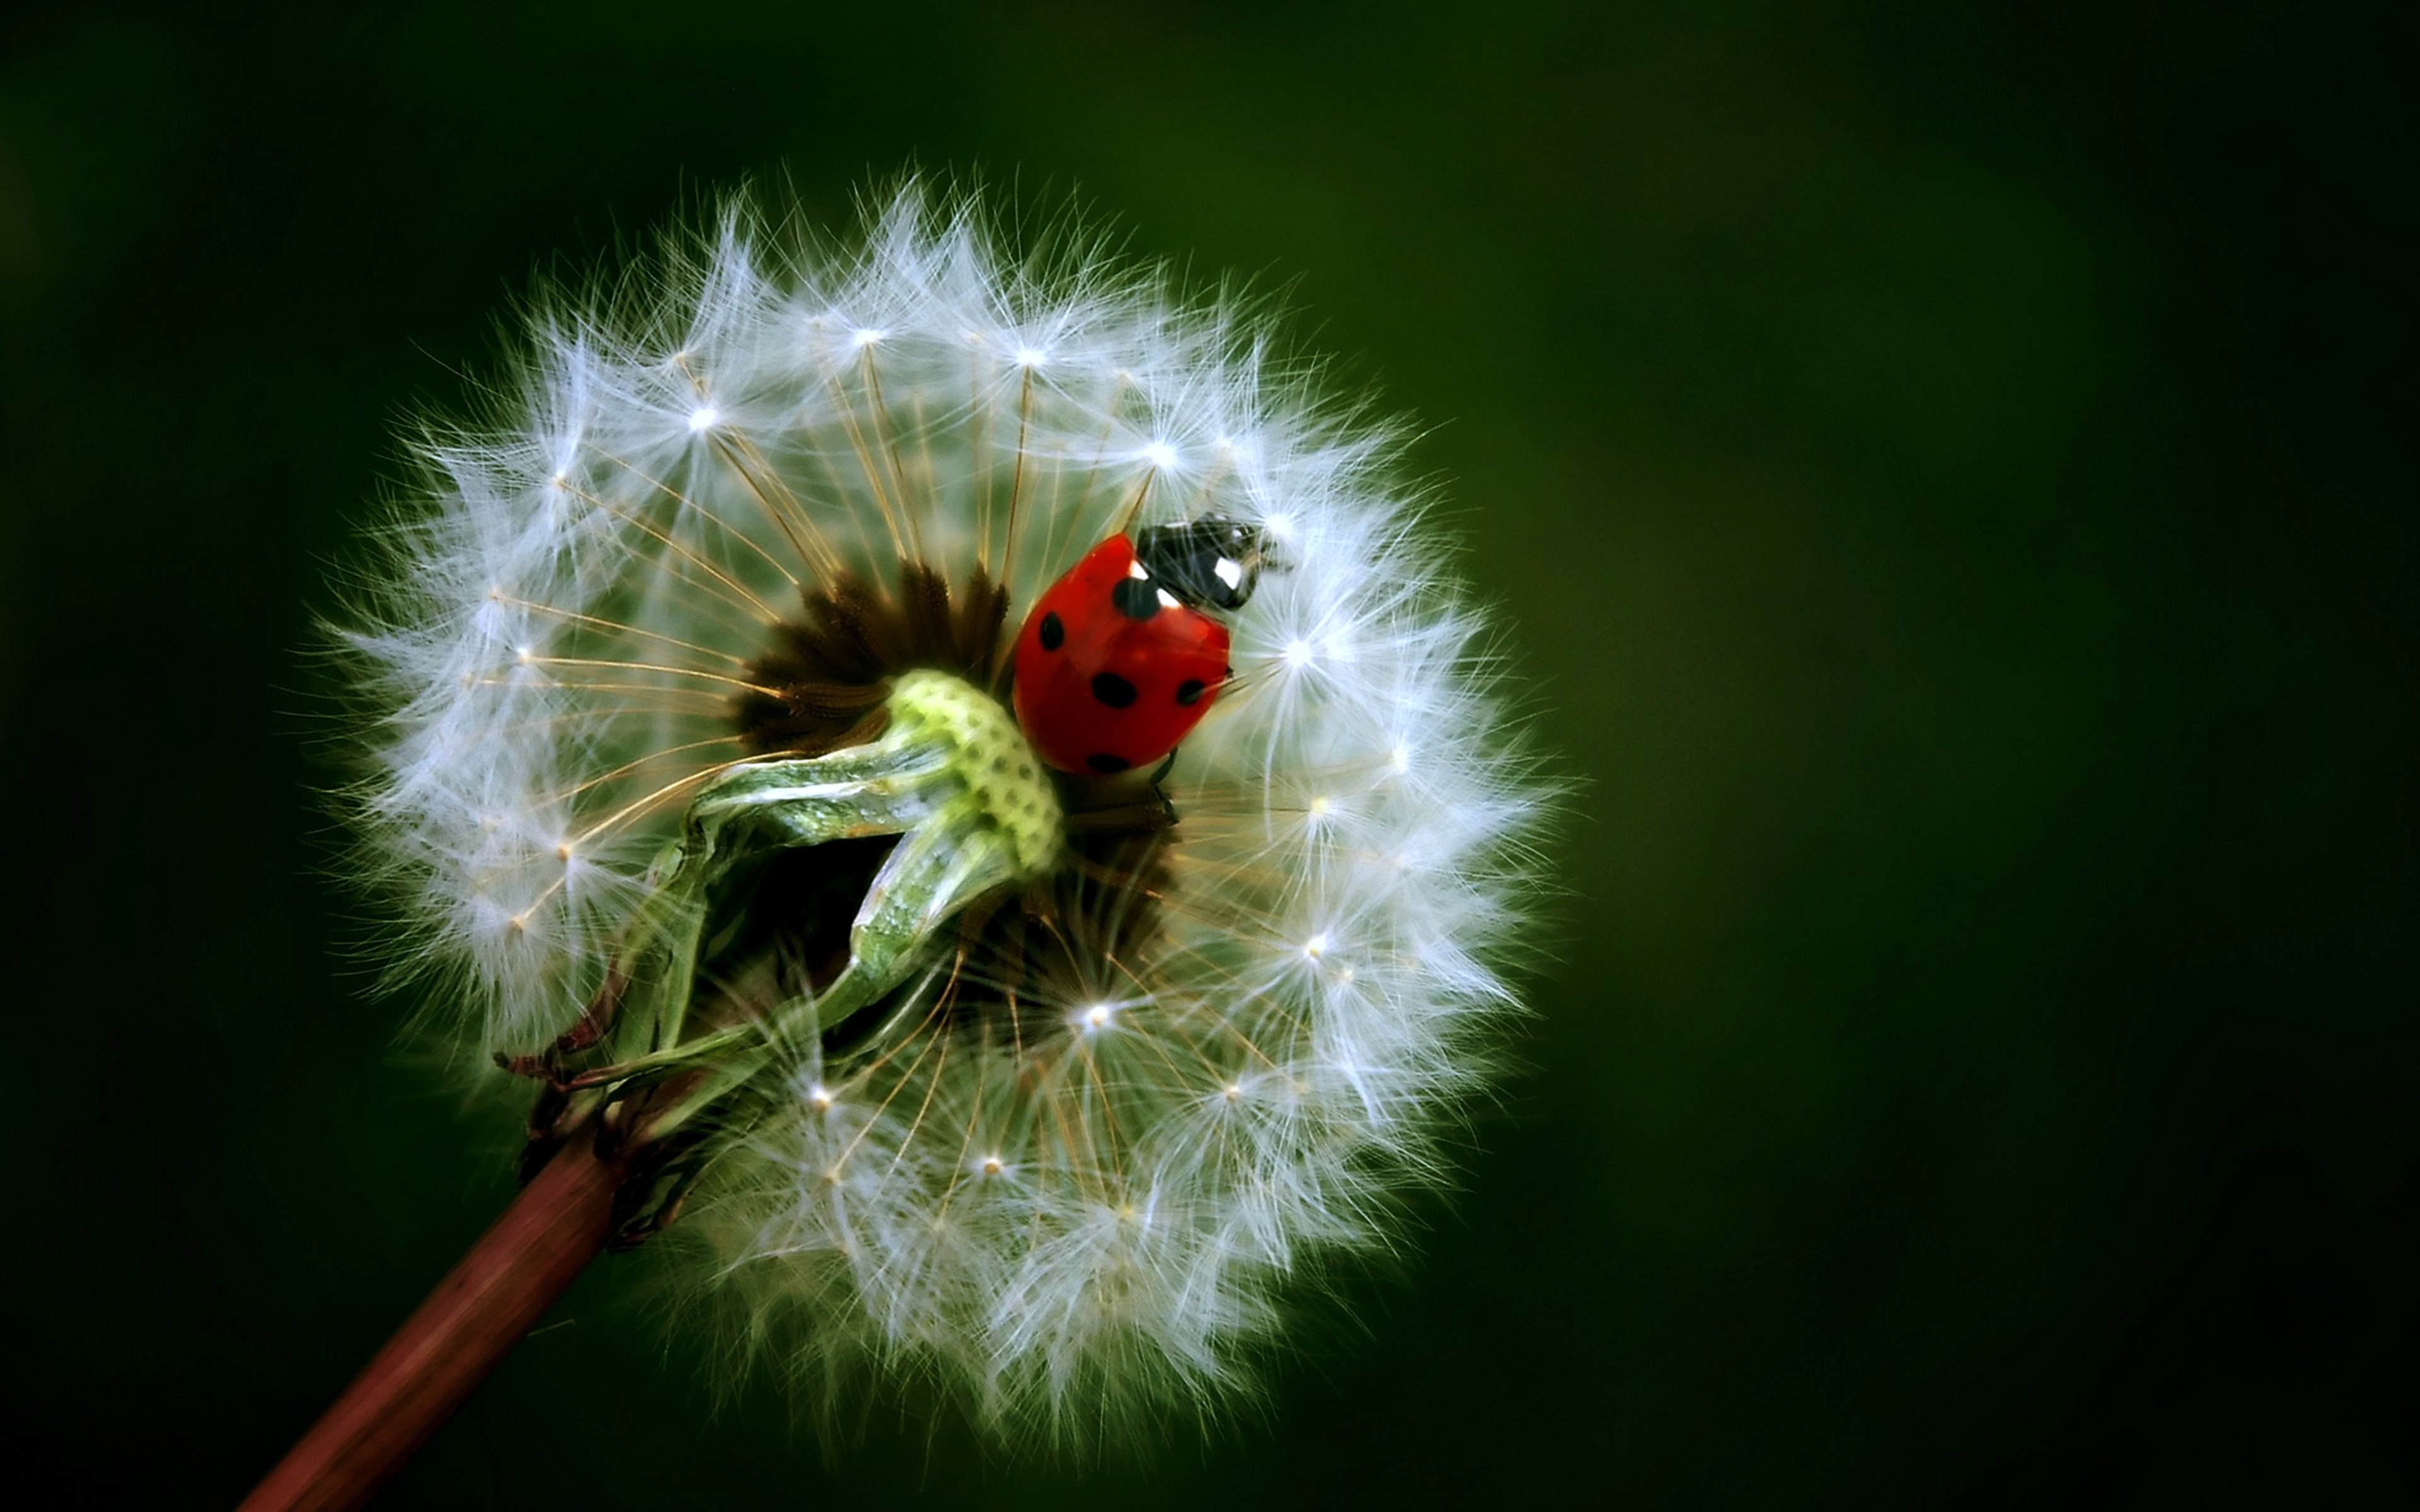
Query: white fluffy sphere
(1074,1190)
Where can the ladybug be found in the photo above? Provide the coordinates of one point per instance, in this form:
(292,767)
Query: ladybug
(1120,658)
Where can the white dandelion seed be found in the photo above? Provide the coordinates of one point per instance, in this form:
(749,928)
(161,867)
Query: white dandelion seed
(749,555)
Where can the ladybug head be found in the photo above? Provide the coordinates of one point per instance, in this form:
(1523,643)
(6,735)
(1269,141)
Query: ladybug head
(1209,563)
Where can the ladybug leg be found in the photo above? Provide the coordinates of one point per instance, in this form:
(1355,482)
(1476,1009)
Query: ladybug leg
(1142,816)
(1167,804)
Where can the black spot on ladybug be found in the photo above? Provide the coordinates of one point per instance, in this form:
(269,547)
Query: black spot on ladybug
(1136,598)
(1189,691)
(1105,763)
(1113,690)
(1052,632)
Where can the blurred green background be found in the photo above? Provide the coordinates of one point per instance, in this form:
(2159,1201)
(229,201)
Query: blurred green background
(1945,478)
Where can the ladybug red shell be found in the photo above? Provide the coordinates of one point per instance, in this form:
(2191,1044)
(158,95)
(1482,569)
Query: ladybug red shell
(1118,661)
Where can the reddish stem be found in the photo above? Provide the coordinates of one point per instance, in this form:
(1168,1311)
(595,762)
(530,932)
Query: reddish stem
(468,1324)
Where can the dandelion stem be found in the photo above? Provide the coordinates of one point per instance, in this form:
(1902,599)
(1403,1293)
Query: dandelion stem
(482,1308)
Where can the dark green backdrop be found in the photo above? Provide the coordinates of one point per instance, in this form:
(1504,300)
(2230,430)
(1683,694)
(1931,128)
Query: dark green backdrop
(1942,477)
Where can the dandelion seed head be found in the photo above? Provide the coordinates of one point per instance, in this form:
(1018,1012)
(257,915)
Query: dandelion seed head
(1078,1168)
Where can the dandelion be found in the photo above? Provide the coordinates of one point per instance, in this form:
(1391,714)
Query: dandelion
(718,811)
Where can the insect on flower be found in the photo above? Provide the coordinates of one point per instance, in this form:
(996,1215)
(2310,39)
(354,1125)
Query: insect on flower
(1118,661)
(972,767)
